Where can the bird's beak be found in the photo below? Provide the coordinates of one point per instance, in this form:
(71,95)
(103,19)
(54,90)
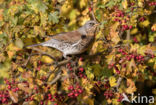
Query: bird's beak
(97,24)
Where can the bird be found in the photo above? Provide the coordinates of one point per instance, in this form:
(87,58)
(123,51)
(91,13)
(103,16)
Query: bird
(73,42)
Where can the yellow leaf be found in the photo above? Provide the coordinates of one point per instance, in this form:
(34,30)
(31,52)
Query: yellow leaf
(88,86)
(20,69)
(112,81)
(144,23)
(80,63)
(47,59)
(105,1)
(114,34)
(1,14)
(12,47)
(13,96)
(39,82)
(97,46)
(24,87)
(66,8)
(89,74)
(109,101)
(125,4)
(140,4)
(10,54)
(153,27)
(32,103)
(12,50)
(38,97)
(83,3)
(115,102)
(134,31)
(51,77)
(131,86)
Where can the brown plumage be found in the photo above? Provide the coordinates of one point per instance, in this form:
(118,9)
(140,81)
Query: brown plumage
(74,42)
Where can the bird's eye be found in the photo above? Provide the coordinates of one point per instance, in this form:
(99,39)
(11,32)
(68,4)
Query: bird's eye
(91,24)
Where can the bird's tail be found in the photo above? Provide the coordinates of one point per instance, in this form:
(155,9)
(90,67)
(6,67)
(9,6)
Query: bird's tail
(34,45)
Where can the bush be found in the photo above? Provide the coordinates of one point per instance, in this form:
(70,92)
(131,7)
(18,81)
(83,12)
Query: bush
(122,56)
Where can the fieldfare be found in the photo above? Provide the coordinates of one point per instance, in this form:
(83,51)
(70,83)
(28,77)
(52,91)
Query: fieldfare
(74,42)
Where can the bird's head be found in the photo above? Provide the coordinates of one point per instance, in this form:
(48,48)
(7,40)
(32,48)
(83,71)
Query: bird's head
(90,27)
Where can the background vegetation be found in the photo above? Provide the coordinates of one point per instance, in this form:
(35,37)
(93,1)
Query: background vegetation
(121,61)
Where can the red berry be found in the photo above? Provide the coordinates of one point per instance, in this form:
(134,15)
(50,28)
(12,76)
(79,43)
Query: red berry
(9,86)
(132,4)
(81,58)
(80,91)
(49,95)
(49,98)
(53,100)
(17,89)
(130,27)
(14,90)
(81,69)
(90,9)
(68,64)
(38,68)
(76,94)
(41,102)
(35,88)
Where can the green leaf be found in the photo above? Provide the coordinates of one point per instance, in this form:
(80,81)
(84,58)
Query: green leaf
(54,17)
(89,73)
(19,43)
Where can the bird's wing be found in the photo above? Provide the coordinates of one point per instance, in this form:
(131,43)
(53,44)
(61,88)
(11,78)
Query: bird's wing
(68,37)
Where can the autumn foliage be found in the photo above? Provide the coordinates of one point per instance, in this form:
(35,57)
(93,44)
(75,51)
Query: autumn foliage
(121,61)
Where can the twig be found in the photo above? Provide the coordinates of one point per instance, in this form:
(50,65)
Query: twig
(56,78)
(92,11)
(25,64)
(118,82)
(42,52)
(128,35)
(63,62)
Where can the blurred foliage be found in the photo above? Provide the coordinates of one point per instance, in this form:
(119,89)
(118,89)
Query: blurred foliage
(125,47)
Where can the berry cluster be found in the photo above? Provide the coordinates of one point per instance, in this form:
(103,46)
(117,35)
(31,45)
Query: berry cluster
(39,63)
(10,85)
(120,98)
(129,56)
(119,13)
(74,91)
(119,17)
(4,97)
(109,94)
(103,85)
(126,27)
(80,72)
(152,3)
(141,19)
(69,66)
(135,40)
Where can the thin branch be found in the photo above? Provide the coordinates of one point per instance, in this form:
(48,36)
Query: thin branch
(63,62)
(128,35)
(56,78)
(118,83)
(42,52)
(25,64)
(92,11)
